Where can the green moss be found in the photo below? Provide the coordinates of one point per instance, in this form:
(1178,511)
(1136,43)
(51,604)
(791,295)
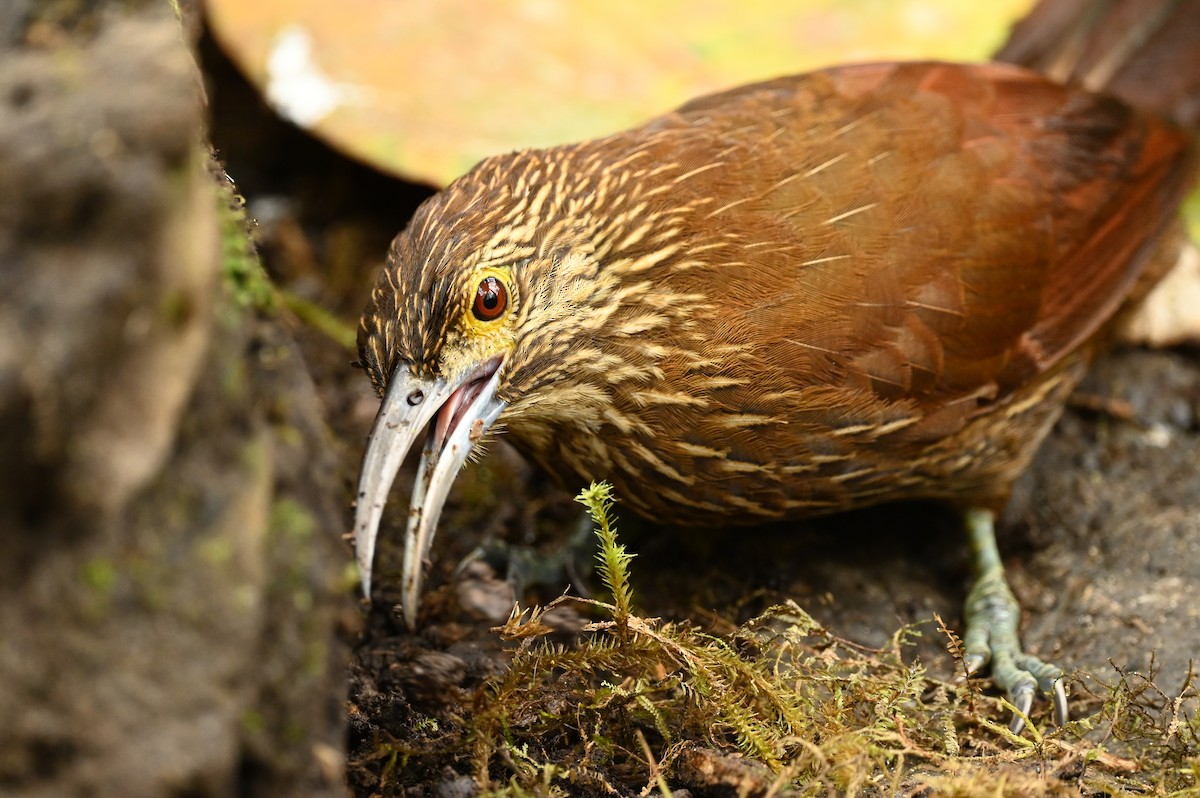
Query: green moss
(241,269)
(253,721)
(255,457)
(233,378)
(216,550)
(294,732)
(176,309)
(347,581)
(151,581)
(316,658)
(293,520)
(248,284)
(340,332)
(100,575)
(613,560)
(289,435)
(804,712)
(292,529)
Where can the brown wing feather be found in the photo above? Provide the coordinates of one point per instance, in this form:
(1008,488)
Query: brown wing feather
(1145,52)
(982,226)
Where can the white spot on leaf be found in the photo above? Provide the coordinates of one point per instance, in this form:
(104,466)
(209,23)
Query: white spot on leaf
(296,87)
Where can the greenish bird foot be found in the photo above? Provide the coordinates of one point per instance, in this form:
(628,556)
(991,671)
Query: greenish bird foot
(526,567)
(992,617)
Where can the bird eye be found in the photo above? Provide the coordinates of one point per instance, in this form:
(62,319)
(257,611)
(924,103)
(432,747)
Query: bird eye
(491,299)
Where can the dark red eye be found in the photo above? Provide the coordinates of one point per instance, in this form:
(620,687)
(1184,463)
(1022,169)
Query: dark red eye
(491,299)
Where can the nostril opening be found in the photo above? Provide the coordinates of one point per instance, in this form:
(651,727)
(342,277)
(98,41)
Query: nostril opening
(415,398)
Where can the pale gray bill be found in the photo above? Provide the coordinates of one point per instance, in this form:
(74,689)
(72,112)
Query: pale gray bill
(409,405)
(435,475)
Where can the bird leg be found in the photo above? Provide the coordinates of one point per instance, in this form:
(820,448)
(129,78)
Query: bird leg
(992,615)
(525,566)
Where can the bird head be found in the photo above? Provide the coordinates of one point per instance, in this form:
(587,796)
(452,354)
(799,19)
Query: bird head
(475,315)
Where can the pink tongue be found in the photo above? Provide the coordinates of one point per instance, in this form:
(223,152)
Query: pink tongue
(448,414)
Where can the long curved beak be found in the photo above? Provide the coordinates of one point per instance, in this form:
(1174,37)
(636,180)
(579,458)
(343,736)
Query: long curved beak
(457,412)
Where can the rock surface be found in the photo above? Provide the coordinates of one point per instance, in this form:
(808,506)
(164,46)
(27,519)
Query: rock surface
(172,573)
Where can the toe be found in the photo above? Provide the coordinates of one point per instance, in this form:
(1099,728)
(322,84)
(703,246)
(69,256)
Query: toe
(977,649)
(993,616)
(1061,713)
(1022,699)
(1023,676)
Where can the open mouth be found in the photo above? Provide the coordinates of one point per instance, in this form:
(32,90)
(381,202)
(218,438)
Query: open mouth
(450,415)
(456,414)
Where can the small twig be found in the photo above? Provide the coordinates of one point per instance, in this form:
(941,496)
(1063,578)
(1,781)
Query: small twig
(1112,406)
(656,776)
(954,645)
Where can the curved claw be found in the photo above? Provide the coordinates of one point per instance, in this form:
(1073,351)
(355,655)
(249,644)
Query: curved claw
(1022,699)
(992,615)
(974,663)
(1062,713)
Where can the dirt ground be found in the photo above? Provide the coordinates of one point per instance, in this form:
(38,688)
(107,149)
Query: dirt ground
(1102,539)
(1102,544)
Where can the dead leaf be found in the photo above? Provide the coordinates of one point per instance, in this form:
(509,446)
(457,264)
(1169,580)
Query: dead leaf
(424,89)
(1170,316)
